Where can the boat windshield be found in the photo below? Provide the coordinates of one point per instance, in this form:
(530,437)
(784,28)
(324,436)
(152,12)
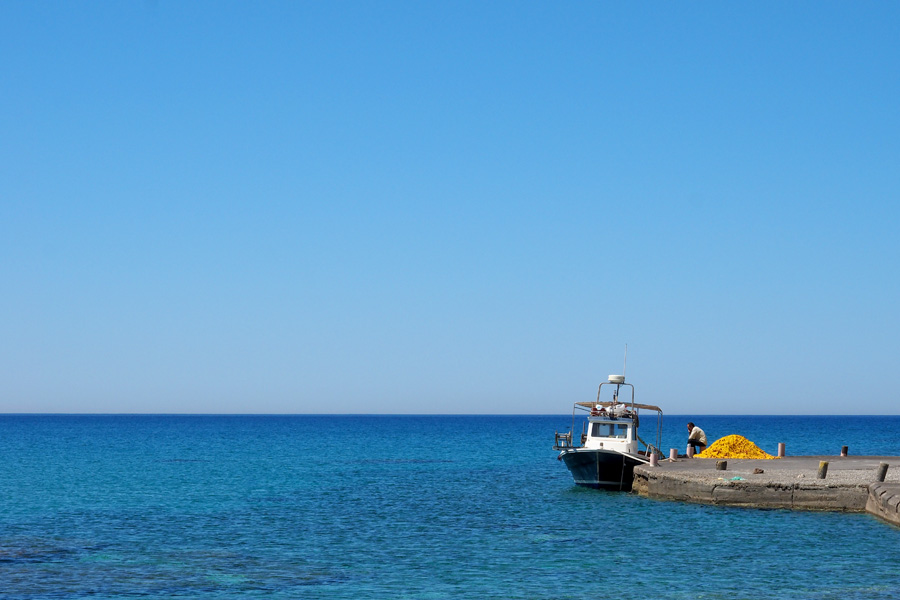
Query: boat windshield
(610,430)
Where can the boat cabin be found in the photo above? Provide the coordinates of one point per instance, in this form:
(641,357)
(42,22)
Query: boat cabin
(611,434)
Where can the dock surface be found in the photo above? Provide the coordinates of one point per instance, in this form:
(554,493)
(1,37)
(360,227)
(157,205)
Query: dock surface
(850,484)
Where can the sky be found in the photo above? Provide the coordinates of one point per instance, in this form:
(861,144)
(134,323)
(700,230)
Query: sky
(448,207)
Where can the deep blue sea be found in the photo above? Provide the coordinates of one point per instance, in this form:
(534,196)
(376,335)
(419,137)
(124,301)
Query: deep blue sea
(406,507)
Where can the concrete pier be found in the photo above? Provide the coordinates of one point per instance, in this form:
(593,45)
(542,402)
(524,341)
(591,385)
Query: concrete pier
(884,502)
(850,483)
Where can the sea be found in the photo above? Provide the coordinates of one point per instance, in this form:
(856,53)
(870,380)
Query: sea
(405,507)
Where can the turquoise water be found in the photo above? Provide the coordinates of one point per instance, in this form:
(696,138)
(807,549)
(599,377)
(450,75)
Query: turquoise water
(403,507)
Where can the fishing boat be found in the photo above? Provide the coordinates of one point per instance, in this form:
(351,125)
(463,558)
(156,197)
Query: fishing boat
(608,449)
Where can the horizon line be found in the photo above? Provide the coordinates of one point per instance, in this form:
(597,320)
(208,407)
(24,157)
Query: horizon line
(199,414)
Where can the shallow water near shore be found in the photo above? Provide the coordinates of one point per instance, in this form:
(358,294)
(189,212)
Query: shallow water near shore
(411,507)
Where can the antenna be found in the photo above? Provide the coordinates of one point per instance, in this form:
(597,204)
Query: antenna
(626,360)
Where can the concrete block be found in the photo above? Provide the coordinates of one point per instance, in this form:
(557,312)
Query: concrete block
(891,501)
(640,484)
(883,502)
(840,498)
(754,496)
(684,490)
(877,490)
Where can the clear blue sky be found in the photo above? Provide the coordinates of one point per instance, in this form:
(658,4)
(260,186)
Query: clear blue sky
(448,207)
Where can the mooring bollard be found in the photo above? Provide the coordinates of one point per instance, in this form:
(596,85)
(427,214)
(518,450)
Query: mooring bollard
(654,459)
(881,472)
(780,450)
(721,465)
(690,452)
(823,469)
(673,454)
(844,450)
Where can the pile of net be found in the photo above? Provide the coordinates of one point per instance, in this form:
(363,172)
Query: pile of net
(733,446)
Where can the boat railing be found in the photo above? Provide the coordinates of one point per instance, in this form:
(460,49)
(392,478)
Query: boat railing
(563,441)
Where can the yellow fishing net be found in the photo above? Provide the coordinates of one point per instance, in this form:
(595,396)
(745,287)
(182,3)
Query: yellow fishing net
(733,446)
